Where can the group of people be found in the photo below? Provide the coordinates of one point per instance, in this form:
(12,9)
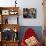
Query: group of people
(29,13)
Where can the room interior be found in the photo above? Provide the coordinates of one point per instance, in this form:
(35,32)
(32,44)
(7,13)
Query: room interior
(13,24)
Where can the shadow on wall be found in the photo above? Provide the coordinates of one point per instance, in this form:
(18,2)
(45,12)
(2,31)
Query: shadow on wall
(37,29)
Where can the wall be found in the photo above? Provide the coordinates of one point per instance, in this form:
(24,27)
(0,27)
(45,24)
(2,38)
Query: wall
(32,22)
(27,4)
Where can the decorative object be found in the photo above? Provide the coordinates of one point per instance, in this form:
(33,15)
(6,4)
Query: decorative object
(15,37)
(6,21)
(15,34)
(7,34)
(13,12)
(29,12)
(5,12)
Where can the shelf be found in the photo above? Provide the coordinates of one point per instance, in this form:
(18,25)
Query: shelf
(11,26)
(7,12)
(11,41)
(7,16)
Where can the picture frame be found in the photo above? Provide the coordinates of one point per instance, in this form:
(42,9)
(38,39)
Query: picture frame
(5,12)
(5,19)
(12,12)
(9,34)
(29,13)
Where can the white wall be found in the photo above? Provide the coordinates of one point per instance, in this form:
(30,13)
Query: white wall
(33,22)
(27,4)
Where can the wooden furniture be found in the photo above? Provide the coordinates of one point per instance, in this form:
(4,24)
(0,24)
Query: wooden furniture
(0,43)
(10,43)
(6,12)
(44,35)
(5,24)
(44,8)
(11,26)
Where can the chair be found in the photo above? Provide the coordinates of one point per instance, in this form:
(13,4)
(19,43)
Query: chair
(29,33)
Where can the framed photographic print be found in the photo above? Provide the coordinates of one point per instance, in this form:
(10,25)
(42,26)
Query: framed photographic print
(29,12)
(13,12)
(5,12)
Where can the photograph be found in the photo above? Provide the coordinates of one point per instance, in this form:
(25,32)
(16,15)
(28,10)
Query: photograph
(29,12)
